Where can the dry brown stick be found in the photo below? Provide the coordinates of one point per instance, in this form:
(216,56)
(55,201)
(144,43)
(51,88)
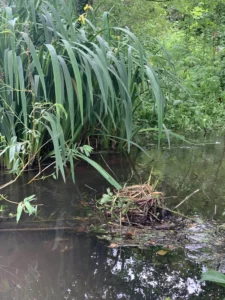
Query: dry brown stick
(186,198)
(13,202)
(154,216)
(39,173)
(137,224)
(15,179)
(137,194)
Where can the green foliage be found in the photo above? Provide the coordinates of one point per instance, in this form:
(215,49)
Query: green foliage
(185,43)
(113,203)
(25,206)
(196,100)
(66,82)
(214,276)
(193,47)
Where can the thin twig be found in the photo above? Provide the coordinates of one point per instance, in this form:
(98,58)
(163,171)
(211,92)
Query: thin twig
(108,166)
(154,216)
(176,213)
(24,167)
(48,166)
(3,197)
(185,199)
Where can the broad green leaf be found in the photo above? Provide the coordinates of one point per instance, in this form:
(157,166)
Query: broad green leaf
(19,211)
(213,276)
(57,79)
(106,175)
(77,76)
(30,198)
(36,60)
(22,89)
(70,93)
(29,207)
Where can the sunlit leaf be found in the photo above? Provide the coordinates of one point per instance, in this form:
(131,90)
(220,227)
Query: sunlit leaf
(162,252)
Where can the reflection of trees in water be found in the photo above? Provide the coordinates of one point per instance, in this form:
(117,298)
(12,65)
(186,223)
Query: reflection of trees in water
(84,268)
(137,274)
(182,170)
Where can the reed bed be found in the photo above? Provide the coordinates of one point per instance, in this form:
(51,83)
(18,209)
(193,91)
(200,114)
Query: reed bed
(68,84)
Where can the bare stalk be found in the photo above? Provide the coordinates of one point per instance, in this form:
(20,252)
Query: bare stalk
(186,198)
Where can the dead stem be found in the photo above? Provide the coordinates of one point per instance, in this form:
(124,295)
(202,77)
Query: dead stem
(186,198)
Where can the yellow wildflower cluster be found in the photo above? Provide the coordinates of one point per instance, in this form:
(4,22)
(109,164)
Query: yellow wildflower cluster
(82,17)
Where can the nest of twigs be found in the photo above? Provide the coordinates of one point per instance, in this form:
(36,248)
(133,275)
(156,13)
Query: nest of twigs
(136,204)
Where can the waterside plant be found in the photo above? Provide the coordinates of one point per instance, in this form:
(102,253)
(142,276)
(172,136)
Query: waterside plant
(68,84)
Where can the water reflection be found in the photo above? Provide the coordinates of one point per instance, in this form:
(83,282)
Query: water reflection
(80,267)
(59,265)
(180,170)
(58,196)
(184,169)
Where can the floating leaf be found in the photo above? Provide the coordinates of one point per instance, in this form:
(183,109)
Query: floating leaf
(161,252)
(112,245)
(214,276)
(191,225)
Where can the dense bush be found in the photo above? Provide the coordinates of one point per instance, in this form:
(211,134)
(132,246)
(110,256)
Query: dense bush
(185,42)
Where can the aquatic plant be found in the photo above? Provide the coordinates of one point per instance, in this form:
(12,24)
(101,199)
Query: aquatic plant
(214,276)
(66,81)
(25,206)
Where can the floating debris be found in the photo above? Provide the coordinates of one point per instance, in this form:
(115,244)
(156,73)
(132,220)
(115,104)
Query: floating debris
(134,205)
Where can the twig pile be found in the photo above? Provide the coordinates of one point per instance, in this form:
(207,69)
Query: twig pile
(146,203)
(136,204)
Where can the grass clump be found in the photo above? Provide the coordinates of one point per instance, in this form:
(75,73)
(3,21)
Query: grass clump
(68,84)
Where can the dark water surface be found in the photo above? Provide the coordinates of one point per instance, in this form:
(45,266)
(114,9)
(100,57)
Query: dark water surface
(61,265)
(83,268)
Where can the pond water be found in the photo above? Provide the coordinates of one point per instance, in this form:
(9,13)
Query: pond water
(62,265)
(81,267)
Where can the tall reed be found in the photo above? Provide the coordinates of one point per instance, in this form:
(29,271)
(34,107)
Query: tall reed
(67,81)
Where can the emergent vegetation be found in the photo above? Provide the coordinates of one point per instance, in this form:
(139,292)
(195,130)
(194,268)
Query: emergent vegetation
(69,84)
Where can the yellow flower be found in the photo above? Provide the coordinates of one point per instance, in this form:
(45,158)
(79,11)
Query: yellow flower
(82,19)
(87,6)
